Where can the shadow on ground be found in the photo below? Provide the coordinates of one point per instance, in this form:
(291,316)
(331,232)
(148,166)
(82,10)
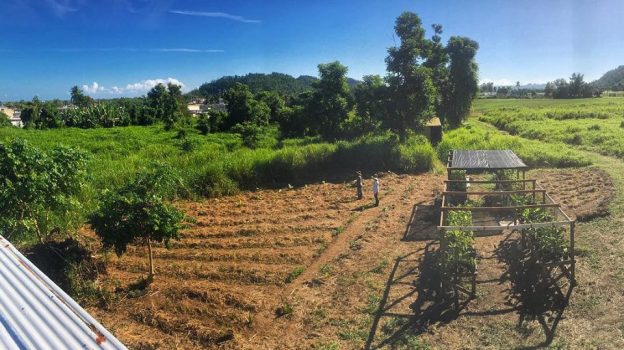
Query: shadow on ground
(422,224)
(534,295)
(537,292)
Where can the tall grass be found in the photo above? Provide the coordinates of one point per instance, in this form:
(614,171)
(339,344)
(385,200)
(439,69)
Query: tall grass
(219,164)
(589,124)
(534,153)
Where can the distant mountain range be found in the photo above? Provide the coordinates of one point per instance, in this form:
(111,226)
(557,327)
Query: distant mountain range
(611,80)
(278,82)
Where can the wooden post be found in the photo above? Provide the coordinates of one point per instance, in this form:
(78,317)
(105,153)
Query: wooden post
(572,257)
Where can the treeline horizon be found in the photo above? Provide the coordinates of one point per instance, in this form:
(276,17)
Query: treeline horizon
(425,78)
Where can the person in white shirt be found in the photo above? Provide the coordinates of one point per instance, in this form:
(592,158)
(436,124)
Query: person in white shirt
(376,191)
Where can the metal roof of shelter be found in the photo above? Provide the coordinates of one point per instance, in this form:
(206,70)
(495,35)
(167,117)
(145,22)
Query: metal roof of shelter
(485,160)
(36,314)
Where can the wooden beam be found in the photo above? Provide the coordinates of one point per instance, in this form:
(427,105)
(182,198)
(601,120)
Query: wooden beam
(515,207)
(488,181)
(492,192)
(502,228)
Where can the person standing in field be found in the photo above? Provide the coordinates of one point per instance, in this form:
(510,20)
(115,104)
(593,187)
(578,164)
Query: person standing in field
(360,185)
(376,190)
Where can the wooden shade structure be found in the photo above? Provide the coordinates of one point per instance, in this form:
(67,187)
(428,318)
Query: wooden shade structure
(490,215)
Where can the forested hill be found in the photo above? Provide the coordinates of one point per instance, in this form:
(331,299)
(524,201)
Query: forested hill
(611,80)
(278,82)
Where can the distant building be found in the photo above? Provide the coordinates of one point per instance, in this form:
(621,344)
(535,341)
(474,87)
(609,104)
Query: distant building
(6,110)
(14,115)
(197,107)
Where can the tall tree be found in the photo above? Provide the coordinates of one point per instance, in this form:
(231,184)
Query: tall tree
(411,89)
(331,100)
(462,85)
(78,97)
(371,102)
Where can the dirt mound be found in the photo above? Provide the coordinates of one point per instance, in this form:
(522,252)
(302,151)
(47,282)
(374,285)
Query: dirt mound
(583,193)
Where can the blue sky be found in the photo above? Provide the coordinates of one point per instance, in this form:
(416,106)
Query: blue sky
(123,47)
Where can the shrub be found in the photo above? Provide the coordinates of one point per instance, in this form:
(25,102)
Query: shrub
(416,156)
(203,124)
(137,212)
(250,133)
(547,243)
(38,191)
(456,256)
(211,181)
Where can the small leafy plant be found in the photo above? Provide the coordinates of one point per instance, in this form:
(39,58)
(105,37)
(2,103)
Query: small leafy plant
(456,256)
(547,243)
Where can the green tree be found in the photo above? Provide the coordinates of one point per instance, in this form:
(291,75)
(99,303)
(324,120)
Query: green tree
(275,103)
(411,88)
(549,89)
(157,101)
(78,97)
(371,102)
(562,89)
(203,124)
(331,100)
(138,213)
(39,190)
(462,85)
(49,117)
(31,113)
(243,107)
(4,120)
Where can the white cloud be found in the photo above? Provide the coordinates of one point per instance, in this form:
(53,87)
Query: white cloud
(146,85)
(93,88)
(215,15)
(132,89)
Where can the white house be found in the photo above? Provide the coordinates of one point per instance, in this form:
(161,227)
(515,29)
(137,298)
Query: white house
(14,115)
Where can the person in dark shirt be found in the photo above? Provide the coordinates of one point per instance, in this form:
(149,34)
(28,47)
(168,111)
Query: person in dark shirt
(360,185)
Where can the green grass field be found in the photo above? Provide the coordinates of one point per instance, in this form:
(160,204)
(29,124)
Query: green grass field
(595,125)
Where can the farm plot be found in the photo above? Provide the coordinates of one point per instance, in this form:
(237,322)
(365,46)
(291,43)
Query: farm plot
(229,266)
(584,193)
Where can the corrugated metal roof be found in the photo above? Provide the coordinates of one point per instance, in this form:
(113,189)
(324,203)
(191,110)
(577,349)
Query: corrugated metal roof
(486,159)
(36,314)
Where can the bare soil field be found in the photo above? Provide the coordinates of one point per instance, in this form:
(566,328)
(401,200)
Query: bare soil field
(314,268)
(584,193)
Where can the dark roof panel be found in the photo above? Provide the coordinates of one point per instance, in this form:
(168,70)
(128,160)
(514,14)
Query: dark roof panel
(486,159)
